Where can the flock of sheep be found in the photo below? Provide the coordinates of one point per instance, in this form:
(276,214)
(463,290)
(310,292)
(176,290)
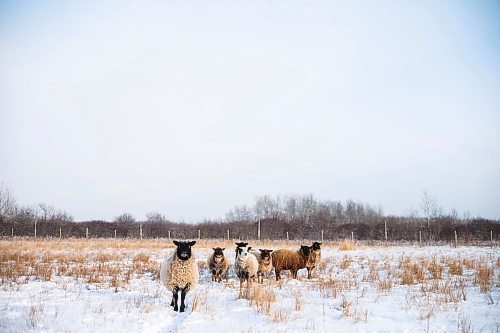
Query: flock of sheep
(179,272)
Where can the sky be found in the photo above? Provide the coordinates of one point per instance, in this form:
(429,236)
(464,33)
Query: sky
(189,108)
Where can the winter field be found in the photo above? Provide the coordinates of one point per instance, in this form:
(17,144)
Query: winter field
(109,285)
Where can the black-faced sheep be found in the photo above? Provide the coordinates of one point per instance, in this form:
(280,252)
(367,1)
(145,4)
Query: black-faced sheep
(218,264)
(246,265)
(179,272)
(265,263)
(314,258)
(292,260)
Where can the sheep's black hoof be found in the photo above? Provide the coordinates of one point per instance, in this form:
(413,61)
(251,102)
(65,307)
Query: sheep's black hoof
(176,308)
(182,309)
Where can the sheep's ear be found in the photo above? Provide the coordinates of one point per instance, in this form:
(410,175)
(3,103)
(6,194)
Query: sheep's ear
(214,248)
(191,243)
(249,248)
(270,251)
(261,250)
(223,248)
(176,243)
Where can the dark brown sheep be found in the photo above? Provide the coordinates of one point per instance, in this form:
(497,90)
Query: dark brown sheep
(291,260)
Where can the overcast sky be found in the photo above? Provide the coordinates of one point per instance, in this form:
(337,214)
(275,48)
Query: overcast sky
(189,108)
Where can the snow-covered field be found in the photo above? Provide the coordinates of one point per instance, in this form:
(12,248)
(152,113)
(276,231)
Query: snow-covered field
(112,286)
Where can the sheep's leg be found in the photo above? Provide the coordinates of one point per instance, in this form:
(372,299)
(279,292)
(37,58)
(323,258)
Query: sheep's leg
(294,274)
(309,275)
(175,297)
(183,296)
(277,272)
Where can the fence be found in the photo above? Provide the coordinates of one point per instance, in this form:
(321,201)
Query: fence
(142,231)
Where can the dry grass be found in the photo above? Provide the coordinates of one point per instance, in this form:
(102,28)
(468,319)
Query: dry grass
(412,272)
(384,285)
(484,277)
(435,269)
(346,262)
(347,245)
(455,267)
(92,261)
(262,299)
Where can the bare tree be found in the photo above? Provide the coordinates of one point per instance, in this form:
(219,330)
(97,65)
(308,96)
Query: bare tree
(266,208)
(46,211)
(7,204)
(242,213)
(155,217)
(430,207)
(124,218)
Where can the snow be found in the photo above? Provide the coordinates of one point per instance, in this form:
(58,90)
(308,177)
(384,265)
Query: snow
(343,296)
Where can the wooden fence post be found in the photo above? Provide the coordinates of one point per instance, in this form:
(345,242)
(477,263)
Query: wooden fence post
(258,230)
(140,231)
(115,233)
(60,233)
(287,239)
(227,234)
(87,233)
(169,234)
(352,236)
(456,239)
(491,237)
(199,234)
(321,236)
(12,232)
(420,237)
(385,230)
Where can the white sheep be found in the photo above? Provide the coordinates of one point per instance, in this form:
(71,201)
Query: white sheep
(179,272)
(246,265)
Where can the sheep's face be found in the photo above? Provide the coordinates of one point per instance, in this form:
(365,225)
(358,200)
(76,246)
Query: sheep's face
(218,252)
(184,249)
(316,246)
(238,245)
(305,250)
(265,255)
(242,252)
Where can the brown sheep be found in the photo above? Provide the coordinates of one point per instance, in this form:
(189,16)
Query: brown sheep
(314,258)
(218,264)
(265,263)
(291,260)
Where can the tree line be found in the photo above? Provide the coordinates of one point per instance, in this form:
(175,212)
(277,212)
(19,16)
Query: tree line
(293,217)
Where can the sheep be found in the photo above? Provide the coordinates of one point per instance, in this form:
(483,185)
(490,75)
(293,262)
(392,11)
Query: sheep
(314,258)
(290,260)
(246,265)
(218,264)
(265,263)
(179,272)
